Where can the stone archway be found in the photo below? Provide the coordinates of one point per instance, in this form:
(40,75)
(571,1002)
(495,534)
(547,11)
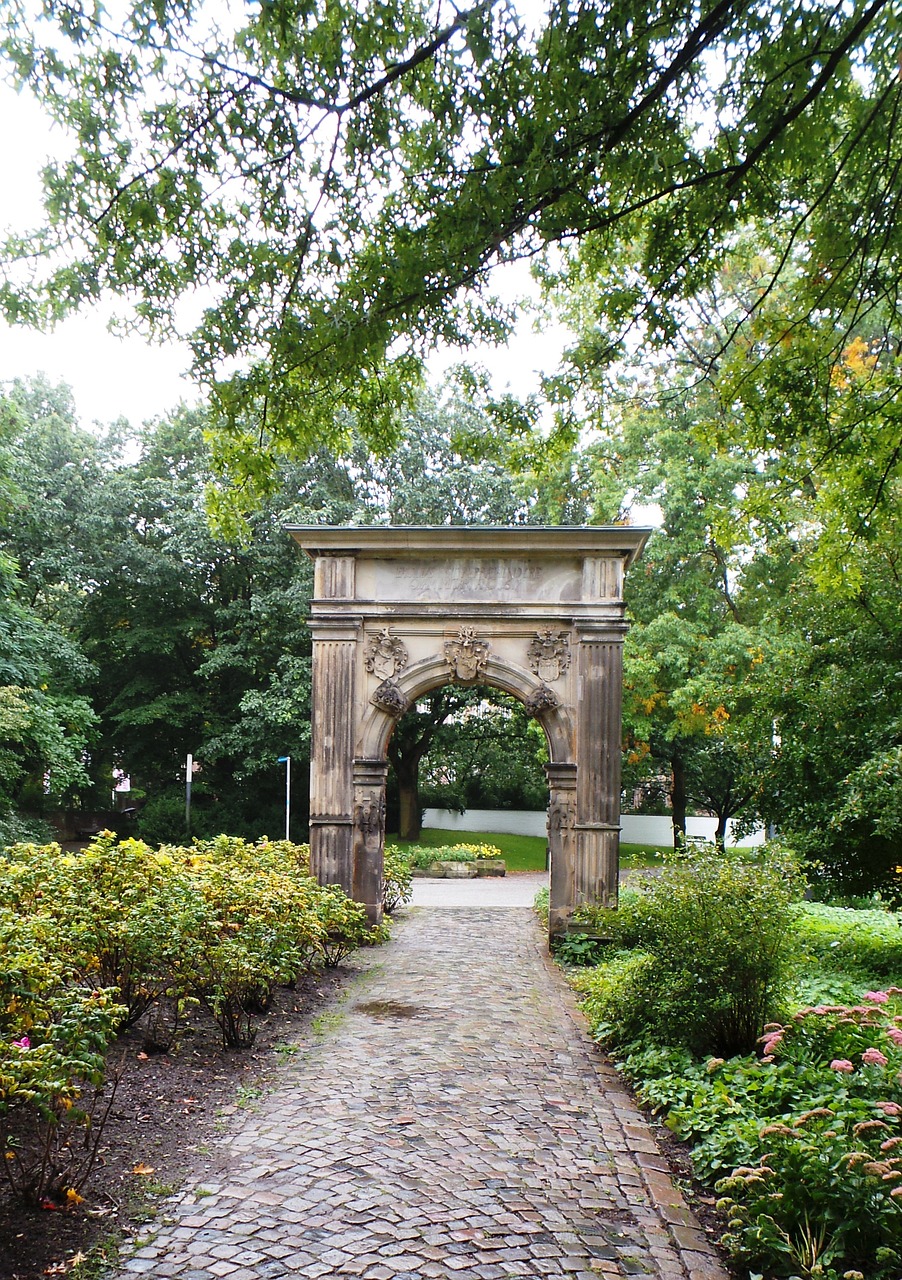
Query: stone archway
(537,612)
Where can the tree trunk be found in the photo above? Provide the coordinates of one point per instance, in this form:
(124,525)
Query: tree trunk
(409,815)
(678,801)
(720,833)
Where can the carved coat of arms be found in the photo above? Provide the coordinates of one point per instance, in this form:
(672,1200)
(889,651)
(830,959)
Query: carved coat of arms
(386,655)
(467,654)
(549,654)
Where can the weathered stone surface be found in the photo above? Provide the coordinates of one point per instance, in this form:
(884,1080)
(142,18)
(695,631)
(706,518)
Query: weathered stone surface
(398,612)
(455,1121)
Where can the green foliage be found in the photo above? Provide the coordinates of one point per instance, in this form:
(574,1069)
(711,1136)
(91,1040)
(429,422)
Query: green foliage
(867,943)
(828,1178)
(490,760)
(715,943)
(53,1038)
(397,881)
(421,856)
(803,1139)
(221,923)
(476,139)
(578,949)
(520,853)
(16,828)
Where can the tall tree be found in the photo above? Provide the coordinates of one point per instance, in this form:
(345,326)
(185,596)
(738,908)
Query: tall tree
(343,177)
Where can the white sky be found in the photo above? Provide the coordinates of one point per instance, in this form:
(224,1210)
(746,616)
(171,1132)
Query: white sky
(114,377)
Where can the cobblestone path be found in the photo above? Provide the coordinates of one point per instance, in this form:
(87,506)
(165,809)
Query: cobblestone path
(454,1121)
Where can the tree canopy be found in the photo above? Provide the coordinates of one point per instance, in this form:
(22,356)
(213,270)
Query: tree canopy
(339,179)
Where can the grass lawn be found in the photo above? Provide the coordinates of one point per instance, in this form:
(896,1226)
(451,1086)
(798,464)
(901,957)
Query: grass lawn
(523,853)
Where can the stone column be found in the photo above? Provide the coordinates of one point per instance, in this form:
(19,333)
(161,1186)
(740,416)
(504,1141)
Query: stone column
(599,702)
(335,640)
(369,834)
(561,843)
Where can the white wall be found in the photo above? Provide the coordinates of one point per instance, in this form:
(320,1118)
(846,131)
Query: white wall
(636,828)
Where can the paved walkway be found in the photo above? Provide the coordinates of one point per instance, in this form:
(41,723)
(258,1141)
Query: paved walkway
(454,1121)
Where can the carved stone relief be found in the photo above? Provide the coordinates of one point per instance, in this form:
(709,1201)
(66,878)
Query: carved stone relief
(386,655)
(467,654)
(561,816)
(542,699)
(549,654)
(388,697)
(370,815)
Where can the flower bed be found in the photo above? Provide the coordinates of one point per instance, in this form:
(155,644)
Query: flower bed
(802,1137)
(458,861)
(95,941)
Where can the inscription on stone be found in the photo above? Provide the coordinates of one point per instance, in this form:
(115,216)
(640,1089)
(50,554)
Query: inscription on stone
(495,580)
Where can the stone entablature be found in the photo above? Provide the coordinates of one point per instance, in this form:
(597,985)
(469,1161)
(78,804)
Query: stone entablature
(535,611)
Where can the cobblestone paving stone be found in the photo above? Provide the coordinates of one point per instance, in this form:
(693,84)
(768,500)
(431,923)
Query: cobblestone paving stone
(454,1121)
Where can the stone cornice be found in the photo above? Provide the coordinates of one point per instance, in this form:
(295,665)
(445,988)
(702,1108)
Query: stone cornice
(402,541)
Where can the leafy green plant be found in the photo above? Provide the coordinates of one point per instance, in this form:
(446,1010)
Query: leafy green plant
(803,1142)
(718,939)
(838,1164)
(345,926)
(577,949)
(53,1094)
(422,856)
(866,942)
(397,879)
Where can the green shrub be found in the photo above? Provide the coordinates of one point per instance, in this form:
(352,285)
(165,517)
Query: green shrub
(397,887)
(616,996)
(92,941)
(718,937)
(826,1187)
(345,926)
(53,1038)
(20,828)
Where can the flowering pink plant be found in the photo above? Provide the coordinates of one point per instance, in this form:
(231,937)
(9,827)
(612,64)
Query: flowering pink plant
(24,1043)
(841,1064)
(874,1058)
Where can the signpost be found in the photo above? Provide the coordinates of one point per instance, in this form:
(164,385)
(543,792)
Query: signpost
(189,773)
(286,760)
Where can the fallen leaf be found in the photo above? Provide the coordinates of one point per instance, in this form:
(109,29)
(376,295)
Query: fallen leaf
(142,1170)
(73,1197)
(143,1057)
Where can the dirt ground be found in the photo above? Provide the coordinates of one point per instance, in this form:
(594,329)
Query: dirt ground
(166,1108)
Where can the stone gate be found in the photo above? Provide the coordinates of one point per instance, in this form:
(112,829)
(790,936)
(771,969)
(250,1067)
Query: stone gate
(537,612)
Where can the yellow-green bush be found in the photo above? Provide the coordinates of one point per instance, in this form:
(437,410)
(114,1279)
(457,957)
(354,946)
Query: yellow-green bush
(91,941)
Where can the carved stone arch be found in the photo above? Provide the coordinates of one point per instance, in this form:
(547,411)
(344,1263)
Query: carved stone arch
(535,612)
(432,673)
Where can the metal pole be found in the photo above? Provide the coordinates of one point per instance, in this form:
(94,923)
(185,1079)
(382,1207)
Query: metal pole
(189,770)
(286,760)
